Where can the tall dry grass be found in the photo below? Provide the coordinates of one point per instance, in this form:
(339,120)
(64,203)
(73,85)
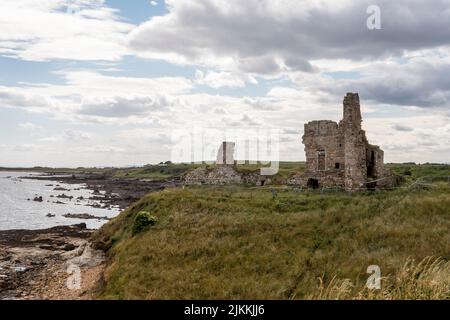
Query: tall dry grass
(428,279)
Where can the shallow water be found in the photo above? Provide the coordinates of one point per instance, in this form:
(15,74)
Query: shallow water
(17,212)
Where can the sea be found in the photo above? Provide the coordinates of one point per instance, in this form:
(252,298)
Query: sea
(19,211)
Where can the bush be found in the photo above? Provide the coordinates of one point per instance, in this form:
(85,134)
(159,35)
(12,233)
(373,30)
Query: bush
(142,221)
(407,172)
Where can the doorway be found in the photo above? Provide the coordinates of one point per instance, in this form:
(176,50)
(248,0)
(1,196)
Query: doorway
(313,183)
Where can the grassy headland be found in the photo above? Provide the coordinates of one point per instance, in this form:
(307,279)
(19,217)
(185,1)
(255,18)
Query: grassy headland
(282,243)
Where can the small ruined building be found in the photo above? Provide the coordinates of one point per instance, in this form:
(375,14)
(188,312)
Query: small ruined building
(339,155)
(224,173)
(225,155)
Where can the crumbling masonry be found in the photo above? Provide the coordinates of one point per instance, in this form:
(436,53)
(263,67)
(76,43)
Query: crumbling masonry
(339,155)
(224,173)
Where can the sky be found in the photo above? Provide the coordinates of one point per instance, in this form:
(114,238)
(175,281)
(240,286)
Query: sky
(108,82)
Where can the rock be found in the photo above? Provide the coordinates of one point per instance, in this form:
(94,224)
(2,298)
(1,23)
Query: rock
(63,196)
(84,216)
(60,189)
(69,247)
(81,226)
(46,247)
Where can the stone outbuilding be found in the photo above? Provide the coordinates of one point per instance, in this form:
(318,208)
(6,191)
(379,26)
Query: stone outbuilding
(224,172)
(339,154)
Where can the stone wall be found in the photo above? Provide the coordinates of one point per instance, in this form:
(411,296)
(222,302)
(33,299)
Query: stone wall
(224,173)
(355,143)
(323,136)
(327,179)
(221,175)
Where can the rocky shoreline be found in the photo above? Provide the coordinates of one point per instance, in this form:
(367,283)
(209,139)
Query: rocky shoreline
(110,191)
(35,264)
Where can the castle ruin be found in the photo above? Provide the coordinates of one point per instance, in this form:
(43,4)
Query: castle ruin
(339,155)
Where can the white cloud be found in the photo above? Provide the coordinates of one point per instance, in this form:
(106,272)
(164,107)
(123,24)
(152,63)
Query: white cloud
(61,29)
(15,97)
(223,79)
(98,97)
(76,135)
(31,127)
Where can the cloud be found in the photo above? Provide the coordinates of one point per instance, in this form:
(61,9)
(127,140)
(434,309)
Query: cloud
(31,128)
(266,37)
(73,135)
(62,29)
(401,127)
(97,84)
(413,82)
(244,121)
(19,98)
(222,79)
(96,96)
(120,107)
(23,148)
(287,62)
(417,83)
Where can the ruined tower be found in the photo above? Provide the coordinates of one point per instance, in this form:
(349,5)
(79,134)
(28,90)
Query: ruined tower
(355,142)
(225,155)
(339,155)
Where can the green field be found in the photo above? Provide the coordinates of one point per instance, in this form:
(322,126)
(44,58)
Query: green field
(410,172)
(277,242)
(162,171)
(159,171)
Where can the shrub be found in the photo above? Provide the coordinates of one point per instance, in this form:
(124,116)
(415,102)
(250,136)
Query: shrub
(142,221)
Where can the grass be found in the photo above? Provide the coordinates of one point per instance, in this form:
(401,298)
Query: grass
(166,171)
(155,171)
(413,171)
(286,169)
(281,243)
